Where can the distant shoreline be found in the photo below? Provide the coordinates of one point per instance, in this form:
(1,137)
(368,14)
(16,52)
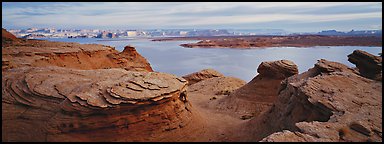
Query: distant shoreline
(245,42)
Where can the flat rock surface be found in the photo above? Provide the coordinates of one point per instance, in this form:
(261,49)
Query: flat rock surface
(40,53)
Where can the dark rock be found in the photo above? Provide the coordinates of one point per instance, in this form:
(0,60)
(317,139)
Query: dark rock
(370,66)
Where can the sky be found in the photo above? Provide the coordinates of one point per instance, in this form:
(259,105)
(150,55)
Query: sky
(290,16)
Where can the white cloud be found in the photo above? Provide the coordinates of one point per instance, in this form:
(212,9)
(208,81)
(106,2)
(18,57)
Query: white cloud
(169,14)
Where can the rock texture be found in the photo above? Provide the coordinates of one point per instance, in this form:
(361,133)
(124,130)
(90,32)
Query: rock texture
(57,91)
(5,35)
(259,94)
(40,53)
(61,104)
(370,66)
(329,102)
(242,42)
(201,75)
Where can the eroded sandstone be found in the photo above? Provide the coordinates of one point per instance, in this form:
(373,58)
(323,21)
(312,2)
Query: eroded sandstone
(201,75)
(61,104)
(38,53)
(369,65)
(329,102)
(260,93)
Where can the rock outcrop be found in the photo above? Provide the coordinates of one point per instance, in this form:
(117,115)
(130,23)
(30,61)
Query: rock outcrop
(5,35)
(369,66)
(39,53)
(242,42)
(62,104)
(259,94)
(201,75)
(329,102)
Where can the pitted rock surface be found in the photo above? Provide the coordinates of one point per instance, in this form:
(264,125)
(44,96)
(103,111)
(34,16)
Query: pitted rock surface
(68,101)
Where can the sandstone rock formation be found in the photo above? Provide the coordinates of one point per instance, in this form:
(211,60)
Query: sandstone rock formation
(5,35)
(259,94)
(57,91)
(370,66)
(39,53)
(241,42)
(62,104)
(201,75)
(329,102)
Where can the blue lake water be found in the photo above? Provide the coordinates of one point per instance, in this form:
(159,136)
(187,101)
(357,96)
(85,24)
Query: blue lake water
(169,57)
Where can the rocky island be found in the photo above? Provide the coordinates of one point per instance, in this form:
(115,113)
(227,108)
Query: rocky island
(243,42)
(57,91)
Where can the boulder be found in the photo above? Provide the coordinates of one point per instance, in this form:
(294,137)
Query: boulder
(369,66)
(280,69)
(201,75)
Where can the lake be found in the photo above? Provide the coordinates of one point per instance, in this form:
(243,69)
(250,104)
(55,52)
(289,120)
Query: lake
(169,57)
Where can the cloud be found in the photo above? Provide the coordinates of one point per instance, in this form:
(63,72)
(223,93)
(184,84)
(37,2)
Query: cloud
(182,14)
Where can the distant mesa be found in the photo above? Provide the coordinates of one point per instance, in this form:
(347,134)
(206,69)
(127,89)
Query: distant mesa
(106,35)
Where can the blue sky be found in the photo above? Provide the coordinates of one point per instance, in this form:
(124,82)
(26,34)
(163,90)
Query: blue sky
(290,16)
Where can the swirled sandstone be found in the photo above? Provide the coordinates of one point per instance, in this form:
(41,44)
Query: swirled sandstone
(62,104)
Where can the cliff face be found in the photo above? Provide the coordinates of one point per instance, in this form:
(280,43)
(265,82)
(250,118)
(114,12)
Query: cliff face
(72,55)
(61,104)
(329,102)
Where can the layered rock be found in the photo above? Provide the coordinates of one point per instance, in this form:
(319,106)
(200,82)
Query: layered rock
(329,102)
(62,104)
(241,42)
(201,75)
(40,53)
(259,94)
(369,66)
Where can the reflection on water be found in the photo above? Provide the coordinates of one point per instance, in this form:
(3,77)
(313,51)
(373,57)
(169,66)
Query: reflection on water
(169,57)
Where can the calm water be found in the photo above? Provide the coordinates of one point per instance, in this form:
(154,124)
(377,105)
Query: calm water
(169,57)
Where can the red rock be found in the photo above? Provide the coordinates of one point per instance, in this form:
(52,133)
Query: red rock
(326,103)
(369,66)
(72,55)
(259,94)
(61,104)
(5,35)
(201,75)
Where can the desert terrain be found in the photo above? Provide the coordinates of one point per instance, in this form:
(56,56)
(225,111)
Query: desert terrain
(58,91)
